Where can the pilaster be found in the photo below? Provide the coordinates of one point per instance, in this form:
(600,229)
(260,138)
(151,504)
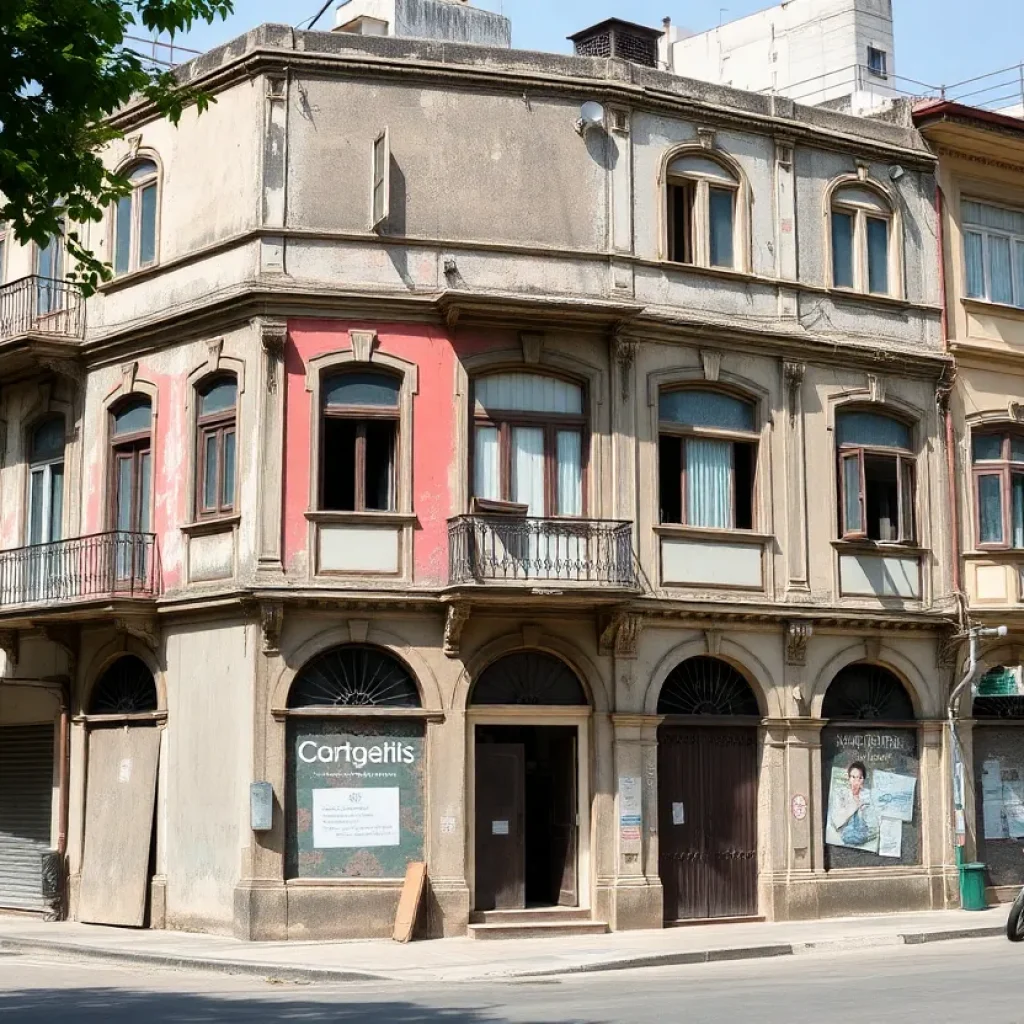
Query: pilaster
(273,335)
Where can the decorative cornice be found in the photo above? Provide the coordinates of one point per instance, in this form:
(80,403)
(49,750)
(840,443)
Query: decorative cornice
(798,634)
(977,158)
(455,620)
(271,624)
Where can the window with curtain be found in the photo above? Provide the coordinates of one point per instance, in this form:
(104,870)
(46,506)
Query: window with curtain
(876,477)
(707,458)
(135,219)
(998,458)
(993,252)
(216,434)
(360,414)
(529,443)
(46,481)
(861,225)
(702,197)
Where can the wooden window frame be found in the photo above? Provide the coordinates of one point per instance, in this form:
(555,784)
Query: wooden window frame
(904,458)
(130,446)
(1005,468)
(861,215)
(361,415)
(135,232)
(669,428)
(218,425)
(700,218)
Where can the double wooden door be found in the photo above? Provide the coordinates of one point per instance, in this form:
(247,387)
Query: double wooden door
(707,821)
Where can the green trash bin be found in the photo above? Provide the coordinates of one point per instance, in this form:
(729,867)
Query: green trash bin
(972,886)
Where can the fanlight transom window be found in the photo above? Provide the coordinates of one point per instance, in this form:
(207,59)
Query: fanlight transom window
(864,692)
(126,688)
(706,686)
(355,675)
(529,678)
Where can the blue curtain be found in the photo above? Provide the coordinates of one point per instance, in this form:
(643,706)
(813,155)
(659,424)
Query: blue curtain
(708,483)
(872,429)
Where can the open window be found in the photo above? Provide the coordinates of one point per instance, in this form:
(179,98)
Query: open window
(707,459)
(703,197)
(862,240)
(876,478)
(998,458)
(359,442)
(216,434)
(529,443)
(135,219)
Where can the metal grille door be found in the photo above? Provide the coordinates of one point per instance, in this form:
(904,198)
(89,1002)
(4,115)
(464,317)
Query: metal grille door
(707,796)
(26,797)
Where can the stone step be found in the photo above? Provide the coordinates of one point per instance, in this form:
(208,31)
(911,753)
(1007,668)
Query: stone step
(537,930)
(531,915)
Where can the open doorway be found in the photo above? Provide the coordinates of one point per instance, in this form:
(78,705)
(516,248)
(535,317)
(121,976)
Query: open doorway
(526,816)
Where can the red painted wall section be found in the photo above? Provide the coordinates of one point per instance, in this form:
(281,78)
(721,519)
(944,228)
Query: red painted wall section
(433,427)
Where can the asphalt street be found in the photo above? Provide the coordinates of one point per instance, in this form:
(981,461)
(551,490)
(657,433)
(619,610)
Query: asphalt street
(980,980)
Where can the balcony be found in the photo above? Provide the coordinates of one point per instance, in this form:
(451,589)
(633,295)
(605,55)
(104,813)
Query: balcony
(542,552)
(102,567)
(36,306)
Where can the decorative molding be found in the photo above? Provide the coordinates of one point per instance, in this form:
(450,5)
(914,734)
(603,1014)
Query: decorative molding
(129,371)
(619,634)
(273,335)
(873,648)
(214,349)
(533,346)
(975,158)
(363,343)
(271,623)
(713,642)
(797,636)
(784,151)
(711,359)
(134,145)
(9,645)
(1015,410)
(793,375)
(706,137)
(455,620)
(144,629)
(876,388)
(69,368)
(863,170)
(358,630)
(625,356)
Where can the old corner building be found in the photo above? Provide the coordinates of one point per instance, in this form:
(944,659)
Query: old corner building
(564,507)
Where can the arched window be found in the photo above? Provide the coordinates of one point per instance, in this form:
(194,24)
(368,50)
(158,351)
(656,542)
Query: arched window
(703,196)
(126,688)
(866,693)
(998,457)
(46,481)
(135,219)
(360,415)
(131,463)
(1000,693)
(706,686)
(529,443)
(876,477)
(707,457)
(529,678)
(354,675)
(862,250)
(216,401)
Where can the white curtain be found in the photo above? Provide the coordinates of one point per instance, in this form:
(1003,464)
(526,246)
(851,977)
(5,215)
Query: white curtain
(708,483)
(999,269)
(487,482)
(570,473)
(528,468)
(974,255)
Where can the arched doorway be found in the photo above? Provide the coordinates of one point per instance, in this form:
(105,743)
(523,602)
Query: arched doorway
(998,741)
(869,760)
(529,715)
(118,856)
(356,767)
(707,792)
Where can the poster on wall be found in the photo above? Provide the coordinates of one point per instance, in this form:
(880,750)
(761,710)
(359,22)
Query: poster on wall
(355,798)
(871,790)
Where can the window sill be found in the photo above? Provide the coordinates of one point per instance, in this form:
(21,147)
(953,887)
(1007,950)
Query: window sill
(362,518)
(712,533)
(1011,554)
(726,273)
(990,308)
(129,278)
(204,526)
(891,301)
(879,547)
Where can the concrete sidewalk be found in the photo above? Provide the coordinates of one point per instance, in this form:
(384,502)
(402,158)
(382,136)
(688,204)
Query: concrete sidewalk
(463,959)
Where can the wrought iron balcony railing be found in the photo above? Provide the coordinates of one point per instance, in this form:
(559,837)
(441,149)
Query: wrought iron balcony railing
(115,564)
(41,305)
(513,549)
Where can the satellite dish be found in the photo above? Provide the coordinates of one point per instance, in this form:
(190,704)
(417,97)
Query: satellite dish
(591,116)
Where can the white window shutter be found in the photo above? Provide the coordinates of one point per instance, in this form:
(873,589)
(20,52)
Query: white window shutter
(380,189)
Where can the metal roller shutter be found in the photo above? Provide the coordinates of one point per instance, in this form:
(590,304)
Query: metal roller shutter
(26,795)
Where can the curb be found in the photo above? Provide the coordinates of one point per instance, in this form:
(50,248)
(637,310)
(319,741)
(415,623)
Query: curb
(288,972)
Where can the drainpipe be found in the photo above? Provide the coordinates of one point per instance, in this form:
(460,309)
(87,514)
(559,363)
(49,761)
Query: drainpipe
(64,791)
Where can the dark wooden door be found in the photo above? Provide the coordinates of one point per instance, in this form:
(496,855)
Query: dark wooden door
(564,827)
(500,835)
(707,818)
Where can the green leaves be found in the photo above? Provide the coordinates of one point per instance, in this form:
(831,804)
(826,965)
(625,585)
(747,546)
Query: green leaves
(63,71)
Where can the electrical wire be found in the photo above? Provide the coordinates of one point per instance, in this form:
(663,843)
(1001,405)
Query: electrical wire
(310,22)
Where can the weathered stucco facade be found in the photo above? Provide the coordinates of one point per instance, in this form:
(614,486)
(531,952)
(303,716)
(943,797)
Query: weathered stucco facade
(511,248)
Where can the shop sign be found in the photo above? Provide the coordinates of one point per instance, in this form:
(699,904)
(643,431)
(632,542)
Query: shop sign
(871,787)
(355,798)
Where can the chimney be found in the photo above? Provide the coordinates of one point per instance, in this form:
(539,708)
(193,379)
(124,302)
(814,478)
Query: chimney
(623,39)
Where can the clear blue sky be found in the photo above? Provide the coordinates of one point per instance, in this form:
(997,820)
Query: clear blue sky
(937,41)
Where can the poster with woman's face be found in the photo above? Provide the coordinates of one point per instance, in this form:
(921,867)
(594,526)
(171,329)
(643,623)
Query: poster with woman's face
(852,817)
